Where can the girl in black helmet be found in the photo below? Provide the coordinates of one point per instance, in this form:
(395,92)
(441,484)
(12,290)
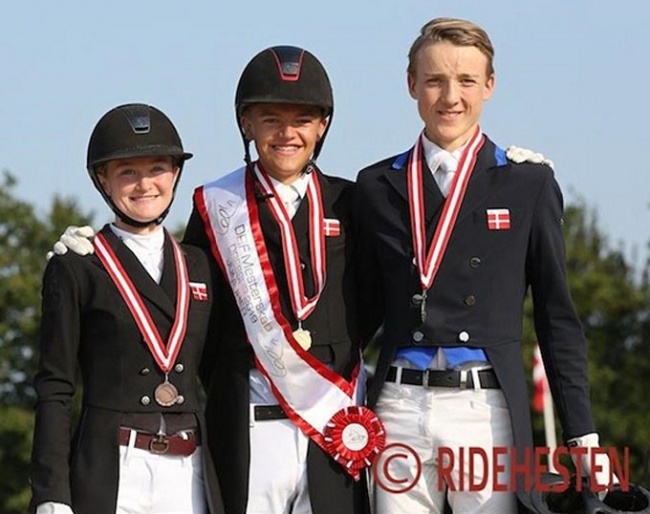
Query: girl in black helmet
(132,319)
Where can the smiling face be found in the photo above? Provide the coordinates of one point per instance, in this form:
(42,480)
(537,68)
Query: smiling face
(285,136)
(140,187)
(450,84)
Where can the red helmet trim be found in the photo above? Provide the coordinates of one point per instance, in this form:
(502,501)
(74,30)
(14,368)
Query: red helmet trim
(289,70)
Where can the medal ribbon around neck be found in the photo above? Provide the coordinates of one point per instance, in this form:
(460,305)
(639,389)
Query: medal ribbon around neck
(302,306)
(317,399)
(429,263)
(164,354)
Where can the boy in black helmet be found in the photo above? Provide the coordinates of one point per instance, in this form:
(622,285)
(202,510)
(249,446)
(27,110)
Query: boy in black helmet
(291,360)
(133,318)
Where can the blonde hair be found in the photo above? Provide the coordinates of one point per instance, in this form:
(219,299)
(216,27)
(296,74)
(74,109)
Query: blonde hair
(457,32)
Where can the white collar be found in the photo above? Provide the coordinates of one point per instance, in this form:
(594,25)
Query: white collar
(151,242)
(432,153)
(300,184)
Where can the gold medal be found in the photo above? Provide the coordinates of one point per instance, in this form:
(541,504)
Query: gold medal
(166,394)
(303,338)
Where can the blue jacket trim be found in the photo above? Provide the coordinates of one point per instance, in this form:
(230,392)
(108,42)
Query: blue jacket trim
(400,160)
(500,156)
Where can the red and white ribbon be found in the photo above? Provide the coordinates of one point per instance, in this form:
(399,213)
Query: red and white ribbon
(309,391)
(302,306)
(164,353)
(428,263)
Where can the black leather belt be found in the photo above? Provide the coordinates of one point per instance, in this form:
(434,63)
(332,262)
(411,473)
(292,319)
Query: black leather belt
(268,412)
(444,378)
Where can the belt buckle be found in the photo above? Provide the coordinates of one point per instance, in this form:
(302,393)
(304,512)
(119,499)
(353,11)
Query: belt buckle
(471,367)
(159,444)
(463,379)
(425,378)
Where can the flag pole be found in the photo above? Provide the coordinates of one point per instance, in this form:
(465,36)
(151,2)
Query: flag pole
(541,386)
(549,426)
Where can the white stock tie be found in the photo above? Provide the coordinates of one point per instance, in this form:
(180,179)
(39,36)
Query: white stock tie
(446,172)
(290,198)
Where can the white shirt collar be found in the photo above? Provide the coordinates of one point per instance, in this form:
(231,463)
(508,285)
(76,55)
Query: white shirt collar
(432,152)
(148,248)
(300,184)
(152,241)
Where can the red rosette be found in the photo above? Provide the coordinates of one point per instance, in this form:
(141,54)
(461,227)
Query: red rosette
(353,437)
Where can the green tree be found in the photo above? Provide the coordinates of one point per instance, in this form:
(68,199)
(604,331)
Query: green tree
(16,426)
(25,238)
(613,307)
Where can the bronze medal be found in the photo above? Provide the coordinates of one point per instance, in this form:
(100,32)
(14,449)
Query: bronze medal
(166,394)
(303,338)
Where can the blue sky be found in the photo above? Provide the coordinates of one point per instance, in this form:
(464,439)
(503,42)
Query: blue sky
(572,82)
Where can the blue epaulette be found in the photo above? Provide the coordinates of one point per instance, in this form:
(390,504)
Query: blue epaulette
(401,159)
(500,156)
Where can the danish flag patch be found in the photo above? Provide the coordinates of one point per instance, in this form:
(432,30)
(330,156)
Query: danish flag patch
(199,291)
(498,219)
(331,227)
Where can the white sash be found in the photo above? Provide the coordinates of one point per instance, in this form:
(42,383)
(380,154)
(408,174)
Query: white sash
(309,392)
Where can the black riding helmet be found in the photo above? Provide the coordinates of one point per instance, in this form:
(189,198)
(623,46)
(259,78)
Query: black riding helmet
(285,74)
(133,130)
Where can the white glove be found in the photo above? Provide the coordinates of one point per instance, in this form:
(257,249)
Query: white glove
(53,508)
(519,155)
(77,239)
(603,473)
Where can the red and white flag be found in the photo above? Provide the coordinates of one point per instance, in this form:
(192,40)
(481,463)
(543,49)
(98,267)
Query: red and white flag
(199,291)
(331,227)
(540,383)
(498,219)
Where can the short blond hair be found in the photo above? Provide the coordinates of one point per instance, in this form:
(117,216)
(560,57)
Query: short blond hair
(457,32)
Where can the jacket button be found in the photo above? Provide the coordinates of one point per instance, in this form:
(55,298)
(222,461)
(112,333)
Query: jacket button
(475,262)
(303,265)
(145,400)
(469,300)
(417,299)
(463,336)
(145,371)
(179,368)
(180,399)
(418,336)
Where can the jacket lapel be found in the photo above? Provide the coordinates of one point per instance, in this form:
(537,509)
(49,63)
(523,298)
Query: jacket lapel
(168,281)
(433,199)
(482,181)
(144,284)
(300,222)
(480,185)
(269,226)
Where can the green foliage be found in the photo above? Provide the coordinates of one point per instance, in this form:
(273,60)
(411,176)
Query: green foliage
(25,238)
(24,241)
(613,307)
(16,426)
